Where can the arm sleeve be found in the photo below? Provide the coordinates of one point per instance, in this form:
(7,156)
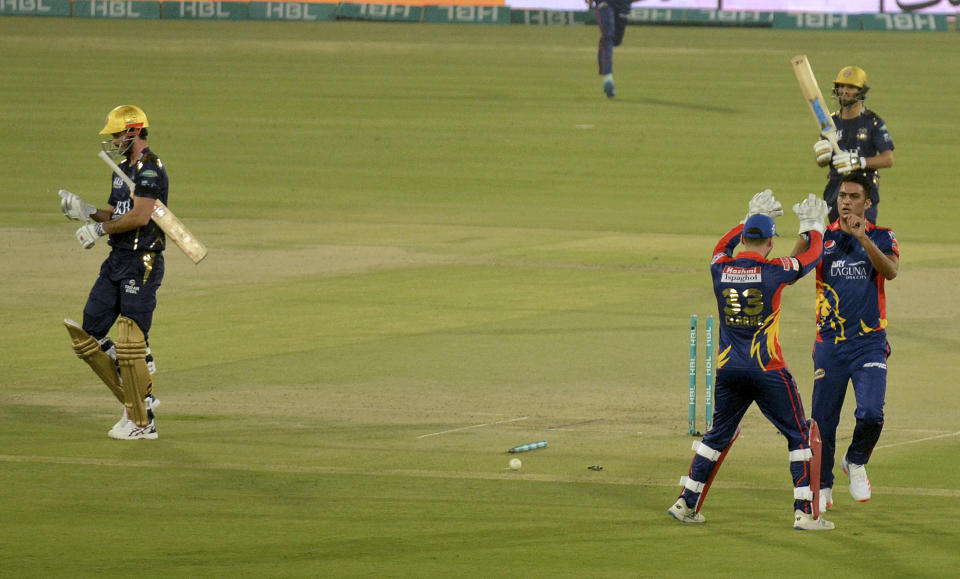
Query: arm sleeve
(886,242)
(148,181)
(728,242)
(809,259)
(881,136)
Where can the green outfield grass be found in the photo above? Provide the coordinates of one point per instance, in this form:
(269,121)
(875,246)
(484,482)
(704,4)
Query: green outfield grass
(428,244)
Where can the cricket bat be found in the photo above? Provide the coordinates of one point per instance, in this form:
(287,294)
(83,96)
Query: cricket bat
(165,219)
(811,92)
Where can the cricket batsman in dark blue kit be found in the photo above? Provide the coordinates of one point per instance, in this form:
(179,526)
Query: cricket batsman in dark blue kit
(750,364)
(851,342)
(125,291)
(863,138)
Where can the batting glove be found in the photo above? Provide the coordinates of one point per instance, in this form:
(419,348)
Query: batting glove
(823,151)
(89,233)
(811,212)
(846,162)
(75,208)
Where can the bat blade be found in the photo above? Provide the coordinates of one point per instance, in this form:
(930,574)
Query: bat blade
(813,96)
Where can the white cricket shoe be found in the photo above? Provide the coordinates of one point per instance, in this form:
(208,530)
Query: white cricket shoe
(124,419)
(859,482)
(805,522)
(119,429)
(130,431)
(826,499)
(681,512)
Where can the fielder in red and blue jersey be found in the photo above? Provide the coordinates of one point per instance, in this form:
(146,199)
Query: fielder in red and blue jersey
(750,363)
(851,342)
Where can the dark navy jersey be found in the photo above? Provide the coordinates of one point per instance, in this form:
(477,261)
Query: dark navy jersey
(150,179)
(866,136)
(747,287)
(850,298)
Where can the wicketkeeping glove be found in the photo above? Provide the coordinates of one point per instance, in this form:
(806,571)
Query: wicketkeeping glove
(823,151)
(74,207)
(89,233)
(811,212)
(764,202)
(846,162)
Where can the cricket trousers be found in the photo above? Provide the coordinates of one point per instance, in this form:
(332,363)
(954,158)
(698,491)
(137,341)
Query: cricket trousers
(127,286)
(862,360)
(775,393)
(612,28)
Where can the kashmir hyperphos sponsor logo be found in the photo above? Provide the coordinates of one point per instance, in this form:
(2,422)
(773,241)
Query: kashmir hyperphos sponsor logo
(733,274)
(854,270)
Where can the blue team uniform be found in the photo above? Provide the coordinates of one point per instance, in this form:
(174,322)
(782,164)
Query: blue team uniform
(612,18)
(133,271)
(865,136)
(851,342)
(750,364)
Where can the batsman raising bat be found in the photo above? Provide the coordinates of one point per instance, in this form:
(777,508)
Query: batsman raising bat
(125,291)
(863,140)
(750,364)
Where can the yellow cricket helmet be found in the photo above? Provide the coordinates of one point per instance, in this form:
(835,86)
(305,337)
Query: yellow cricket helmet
(852,75)
(123,118)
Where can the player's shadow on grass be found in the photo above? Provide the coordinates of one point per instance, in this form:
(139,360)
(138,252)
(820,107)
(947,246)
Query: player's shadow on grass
(685,106)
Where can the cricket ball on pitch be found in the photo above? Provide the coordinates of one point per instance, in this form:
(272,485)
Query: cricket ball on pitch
(515,464)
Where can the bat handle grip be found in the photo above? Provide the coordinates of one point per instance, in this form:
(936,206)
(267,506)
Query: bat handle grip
(831,137)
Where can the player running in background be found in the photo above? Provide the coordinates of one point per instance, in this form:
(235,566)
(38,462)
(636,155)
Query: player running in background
(750,364)
(851,342)
(863,137)
(612,18)
(126,289)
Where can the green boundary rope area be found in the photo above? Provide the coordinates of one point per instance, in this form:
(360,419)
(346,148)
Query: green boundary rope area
(308,11)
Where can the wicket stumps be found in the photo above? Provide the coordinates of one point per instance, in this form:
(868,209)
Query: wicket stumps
(692,400)
(708,376)
(528,447)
